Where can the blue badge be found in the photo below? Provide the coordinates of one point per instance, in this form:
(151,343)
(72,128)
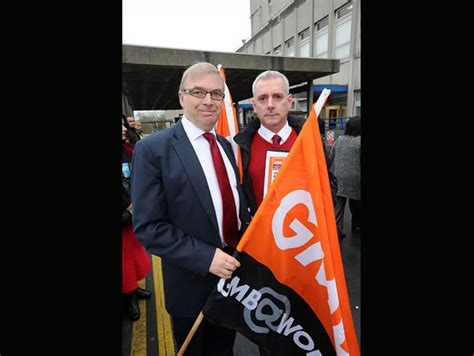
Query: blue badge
(126,169)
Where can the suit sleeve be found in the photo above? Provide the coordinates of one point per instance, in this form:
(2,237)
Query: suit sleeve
(151,220)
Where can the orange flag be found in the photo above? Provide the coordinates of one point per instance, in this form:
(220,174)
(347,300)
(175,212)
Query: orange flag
(290,288)
(227,125)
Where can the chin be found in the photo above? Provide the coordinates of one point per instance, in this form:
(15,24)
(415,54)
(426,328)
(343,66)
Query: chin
(273,121)
(209,122)
(210,119)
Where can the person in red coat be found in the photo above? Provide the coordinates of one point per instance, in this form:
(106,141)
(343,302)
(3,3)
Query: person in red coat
(135,262)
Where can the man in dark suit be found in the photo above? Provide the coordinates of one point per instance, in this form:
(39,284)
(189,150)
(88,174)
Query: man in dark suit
(182,211)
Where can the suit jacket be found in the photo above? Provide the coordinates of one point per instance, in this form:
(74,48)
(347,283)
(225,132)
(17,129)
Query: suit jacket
(174,217)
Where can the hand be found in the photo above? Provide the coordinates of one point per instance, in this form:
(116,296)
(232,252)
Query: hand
(223,265)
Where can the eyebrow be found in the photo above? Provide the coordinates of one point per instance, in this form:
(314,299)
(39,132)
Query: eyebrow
(273,94)
(203,89)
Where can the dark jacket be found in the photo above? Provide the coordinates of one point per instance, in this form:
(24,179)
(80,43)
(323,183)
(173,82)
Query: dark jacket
(133,135)
(244,139)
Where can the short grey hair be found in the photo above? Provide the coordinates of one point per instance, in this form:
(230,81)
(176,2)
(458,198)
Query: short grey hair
(271,74)
(198,69)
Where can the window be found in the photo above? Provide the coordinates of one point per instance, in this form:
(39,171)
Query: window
(277,50)
(357,103)
(343,32)
(345,10)
(302,103)
(321,38)
(304,43)
(290,47)
(322,24)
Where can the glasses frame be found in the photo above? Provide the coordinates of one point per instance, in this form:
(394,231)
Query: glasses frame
(190,92)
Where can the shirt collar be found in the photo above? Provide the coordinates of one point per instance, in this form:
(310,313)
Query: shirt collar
(192,131)
(284,133)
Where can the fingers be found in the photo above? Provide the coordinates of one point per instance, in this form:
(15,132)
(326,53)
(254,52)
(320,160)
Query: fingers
(230,263)
(223,265)
(225,274)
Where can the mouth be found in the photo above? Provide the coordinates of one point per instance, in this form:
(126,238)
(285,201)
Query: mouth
(208,113)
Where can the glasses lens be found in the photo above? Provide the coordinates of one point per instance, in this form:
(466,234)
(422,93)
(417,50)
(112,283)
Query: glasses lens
(217,95)
(197,93)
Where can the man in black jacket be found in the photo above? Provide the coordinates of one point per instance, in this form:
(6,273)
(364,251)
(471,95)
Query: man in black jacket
(273,130)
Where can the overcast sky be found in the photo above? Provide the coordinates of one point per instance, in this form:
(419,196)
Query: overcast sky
(212,25)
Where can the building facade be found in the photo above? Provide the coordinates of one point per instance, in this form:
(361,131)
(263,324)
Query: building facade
(313,28)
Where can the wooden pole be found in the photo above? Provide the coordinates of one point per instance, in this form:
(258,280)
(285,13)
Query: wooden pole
(190,334)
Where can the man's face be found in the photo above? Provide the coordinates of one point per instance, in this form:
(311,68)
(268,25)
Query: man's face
(138,125)
(131,121)
(271,103)
(203,112)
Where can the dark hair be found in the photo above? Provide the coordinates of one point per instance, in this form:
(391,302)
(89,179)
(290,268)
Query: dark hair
(130,136)
(125,122)
(353,126)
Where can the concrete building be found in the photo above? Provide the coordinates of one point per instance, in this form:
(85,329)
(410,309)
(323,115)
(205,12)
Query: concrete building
(151,77)
(327,29)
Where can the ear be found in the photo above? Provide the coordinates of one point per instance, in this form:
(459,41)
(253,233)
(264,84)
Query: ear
(181,98)
(290,99)
(253,104)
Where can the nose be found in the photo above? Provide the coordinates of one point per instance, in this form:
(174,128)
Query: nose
(207,99)
(270,103)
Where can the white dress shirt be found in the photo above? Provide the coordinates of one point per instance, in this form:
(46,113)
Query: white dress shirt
(267,135)
(203,152)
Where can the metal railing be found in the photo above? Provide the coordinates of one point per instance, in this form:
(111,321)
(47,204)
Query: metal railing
(336,123)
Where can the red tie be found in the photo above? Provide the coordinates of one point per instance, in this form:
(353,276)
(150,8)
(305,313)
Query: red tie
(276,140)
(229,221)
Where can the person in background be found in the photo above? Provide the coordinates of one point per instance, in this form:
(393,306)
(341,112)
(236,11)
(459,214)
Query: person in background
(135,262)
(138,129)
(273,130)
(131,131)
(345,162)
(322,128)
(189,208)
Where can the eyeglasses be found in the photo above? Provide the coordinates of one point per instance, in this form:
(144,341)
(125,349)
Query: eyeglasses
(201,94)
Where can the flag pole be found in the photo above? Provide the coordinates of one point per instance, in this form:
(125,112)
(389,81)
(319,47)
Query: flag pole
(321,100)
(190,334)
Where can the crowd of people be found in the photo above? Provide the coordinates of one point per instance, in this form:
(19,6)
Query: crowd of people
(135,262)
(188,206)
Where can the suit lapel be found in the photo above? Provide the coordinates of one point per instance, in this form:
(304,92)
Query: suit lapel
(194,171)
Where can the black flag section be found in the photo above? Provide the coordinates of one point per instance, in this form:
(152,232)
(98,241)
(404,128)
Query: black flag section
(267,312)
